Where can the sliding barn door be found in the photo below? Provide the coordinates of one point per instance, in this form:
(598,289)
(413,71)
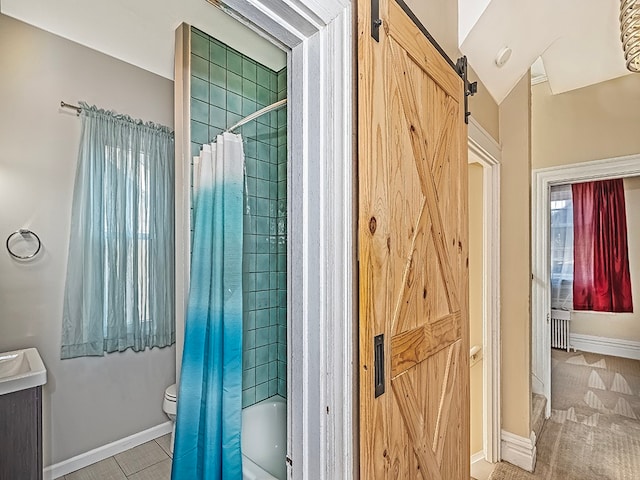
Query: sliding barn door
(414,345)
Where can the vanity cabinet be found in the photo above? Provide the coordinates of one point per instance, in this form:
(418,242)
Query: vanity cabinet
(21,435)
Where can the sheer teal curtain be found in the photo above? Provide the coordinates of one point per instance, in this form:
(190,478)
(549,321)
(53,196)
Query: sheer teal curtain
(119,290)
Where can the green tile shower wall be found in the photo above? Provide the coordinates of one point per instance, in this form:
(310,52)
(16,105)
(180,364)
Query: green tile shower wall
(226,86)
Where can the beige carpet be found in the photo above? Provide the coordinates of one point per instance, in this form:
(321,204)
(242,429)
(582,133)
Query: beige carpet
(594,429)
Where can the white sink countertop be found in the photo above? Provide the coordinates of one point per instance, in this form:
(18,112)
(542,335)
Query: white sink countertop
(21,369)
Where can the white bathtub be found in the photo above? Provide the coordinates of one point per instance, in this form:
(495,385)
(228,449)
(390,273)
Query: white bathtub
(264,440)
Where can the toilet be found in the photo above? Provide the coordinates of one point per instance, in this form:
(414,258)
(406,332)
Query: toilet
(169,407)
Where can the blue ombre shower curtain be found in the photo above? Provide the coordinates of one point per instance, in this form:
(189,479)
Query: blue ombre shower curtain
(207,440)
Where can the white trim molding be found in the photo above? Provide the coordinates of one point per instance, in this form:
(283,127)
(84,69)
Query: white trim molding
(539,79)
(482,143)
(318,36)
(477,457)
(519,451)
(537,387)
(606,346)
(480,468)
(101,453)
(485,151)
(542,180)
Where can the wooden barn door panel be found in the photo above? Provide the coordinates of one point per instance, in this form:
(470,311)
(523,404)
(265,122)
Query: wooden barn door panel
(413,254)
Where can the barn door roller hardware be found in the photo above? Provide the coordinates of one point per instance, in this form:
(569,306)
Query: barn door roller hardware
(460,66)
(470,89)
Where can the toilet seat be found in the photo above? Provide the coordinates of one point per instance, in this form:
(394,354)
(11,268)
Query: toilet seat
(169,404)
(170,393)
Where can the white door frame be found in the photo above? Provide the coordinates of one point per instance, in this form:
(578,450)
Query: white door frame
(542,180)
(322,418)
(488,154)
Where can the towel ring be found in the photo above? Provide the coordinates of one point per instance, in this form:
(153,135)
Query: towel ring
(23,232)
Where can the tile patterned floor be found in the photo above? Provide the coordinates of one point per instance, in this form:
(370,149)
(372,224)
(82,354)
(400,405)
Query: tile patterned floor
(149,461)
(152,461)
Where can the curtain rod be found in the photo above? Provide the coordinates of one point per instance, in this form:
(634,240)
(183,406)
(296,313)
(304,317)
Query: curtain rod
(247,119)
(257,114)
(72,107)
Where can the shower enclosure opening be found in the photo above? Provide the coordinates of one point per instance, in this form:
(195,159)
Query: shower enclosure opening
(226,86)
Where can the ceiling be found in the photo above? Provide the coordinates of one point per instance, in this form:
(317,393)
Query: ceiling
(577,40)
(141,32)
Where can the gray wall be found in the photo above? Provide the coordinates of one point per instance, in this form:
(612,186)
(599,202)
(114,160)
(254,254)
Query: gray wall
(88,402)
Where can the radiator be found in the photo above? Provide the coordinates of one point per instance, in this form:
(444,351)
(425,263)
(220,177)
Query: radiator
(560,322)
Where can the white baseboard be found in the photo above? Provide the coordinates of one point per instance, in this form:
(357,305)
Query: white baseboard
(606,346)
(519,451)
(477,457)
(89,458)
(480,468)
(536,385)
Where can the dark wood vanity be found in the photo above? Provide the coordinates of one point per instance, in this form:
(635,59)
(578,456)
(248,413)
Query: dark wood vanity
(21,435)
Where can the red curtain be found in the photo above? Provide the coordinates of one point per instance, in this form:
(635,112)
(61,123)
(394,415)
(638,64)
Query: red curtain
(601,280)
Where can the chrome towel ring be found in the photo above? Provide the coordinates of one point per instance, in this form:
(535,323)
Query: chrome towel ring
(24,232)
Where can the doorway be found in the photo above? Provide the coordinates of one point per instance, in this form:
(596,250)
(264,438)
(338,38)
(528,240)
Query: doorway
(320,275)
(484,228)
(542,181)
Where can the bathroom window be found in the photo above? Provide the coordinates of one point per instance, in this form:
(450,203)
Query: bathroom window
(120,288)
(136,231)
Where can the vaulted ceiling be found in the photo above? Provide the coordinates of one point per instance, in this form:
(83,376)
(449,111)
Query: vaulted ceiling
(577,40)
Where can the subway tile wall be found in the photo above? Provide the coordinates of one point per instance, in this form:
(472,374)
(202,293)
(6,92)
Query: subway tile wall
(226,86)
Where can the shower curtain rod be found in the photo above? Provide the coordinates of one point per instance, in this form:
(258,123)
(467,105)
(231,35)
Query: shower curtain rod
(259,113)
(247,119)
